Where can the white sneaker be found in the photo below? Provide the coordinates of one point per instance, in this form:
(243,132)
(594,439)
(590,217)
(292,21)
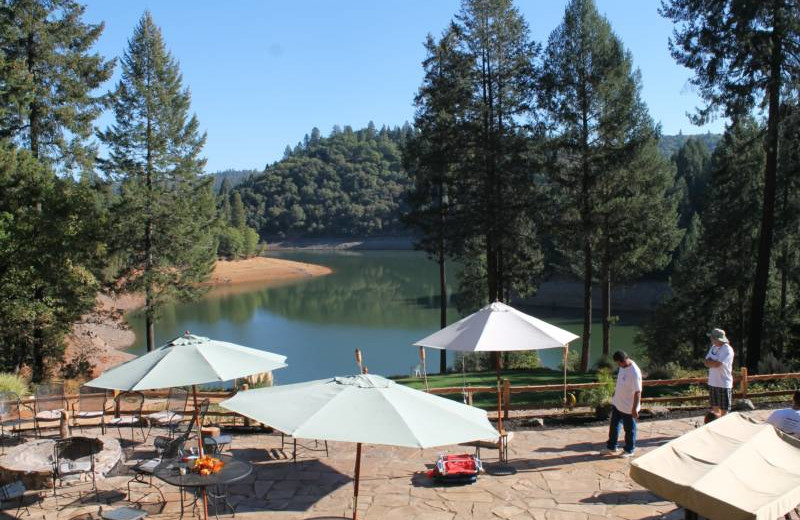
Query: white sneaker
(609,451)
(627,454)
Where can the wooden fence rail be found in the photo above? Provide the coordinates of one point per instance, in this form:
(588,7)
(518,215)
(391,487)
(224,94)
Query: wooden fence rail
(742,391)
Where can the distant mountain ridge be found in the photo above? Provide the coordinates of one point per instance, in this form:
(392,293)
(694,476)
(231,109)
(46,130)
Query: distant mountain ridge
(349,184)
(669,144)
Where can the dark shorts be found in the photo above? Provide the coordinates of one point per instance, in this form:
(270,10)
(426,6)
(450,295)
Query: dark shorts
(720,397)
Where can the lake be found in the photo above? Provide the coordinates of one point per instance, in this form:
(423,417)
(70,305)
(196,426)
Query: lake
(378,301)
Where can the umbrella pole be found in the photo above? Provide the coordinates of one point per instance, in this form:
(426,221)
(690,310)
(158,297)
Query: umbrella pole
(357,475)
(499,393)
(200,445)
(566,359)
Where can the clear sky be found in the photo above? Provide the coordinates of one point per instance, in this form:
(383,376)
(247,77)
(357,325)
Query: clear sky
(264,73)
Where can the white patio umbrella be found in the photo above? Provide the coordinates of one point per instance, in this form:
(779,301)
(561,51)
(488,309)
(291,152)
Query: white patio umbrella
(500,328)
(363,409)
(188,360)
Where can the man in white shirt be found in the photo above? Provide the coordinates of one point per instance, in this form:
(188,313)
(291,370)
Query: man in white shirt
(625,409)
(719,361)
(788,419)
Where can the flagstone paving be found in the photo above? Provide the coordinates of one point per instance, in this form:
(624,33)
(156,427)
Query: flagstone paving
(561,474)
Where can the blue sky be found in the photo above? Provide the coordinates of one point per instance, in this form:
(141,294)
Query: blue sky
(263,73)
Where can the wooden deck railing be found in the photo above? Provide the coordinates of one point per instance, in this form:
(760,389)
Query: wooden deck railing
(742,379)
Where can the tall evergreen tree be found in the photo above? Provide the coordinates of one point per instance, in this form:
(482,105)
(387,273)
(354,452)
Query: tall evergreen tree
(433,156)
(237,211)
(495,191)
(744,54)
(599,130)
(691,162)
(166,208)
(49,260)
(713,277)
(50,75)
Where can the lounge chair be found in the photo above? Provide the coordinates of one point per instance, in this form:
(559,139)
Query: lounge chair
(128,413)
(174,413)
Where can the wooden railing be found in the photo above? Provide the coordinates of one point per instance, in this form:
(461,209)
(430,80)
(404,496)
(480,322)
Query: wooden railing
(742,379)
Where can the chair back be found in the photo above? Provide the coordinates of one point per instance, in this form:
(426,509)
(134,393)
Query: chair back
(201,415)
(128,403)
(49,396)
(176,400)
(92,399)
(9,406)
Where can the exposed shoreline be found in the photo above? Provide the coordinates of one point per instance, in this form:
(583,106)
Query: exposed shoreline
(102,335)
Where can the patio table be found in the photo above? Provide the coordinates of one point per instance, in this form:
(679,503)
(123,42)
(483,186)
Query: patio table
(233,471)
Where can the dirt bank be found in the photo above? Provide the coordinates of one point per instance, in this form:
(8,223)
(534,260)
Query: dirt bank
(102,335)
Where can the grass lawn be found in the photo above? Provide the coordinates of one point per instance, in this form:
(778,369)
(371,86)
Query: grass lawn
(536,376)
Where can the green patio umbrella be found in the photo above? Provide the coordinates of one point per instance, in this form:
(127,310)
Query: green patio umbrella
(363,409)
(188,360)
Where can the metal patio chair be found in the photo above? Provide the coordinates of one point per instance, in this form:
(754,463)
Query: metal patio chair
(48,404)
(10,418)
(173,414)
(128,413)
(91,404)
(74,456)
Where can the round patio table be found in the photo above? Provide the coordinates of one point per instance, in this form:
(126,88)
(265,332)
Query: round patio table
(233,470)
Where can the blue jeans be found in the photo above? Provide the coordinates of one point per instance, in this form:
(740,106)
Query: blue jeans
(629,423)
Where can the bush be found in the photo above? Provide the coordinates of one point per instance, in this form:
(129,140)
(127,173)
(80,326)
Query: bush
(595,397)
(573,362)
(13,383)
(522,360)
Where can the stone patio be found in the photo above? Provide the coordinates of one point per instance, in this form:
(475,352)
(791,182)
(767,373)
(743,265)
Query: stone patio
(561,474)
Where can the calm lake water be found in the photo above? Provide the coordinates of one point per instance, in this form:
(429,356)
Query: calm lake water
(378,301)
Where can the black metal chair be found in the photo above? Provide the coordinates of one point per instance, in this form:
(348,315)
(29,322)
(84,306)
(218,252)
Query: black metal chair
(48,404)
(10,418)
(173,414)
(74,456)
(167,449)
(91,404)
(128,413)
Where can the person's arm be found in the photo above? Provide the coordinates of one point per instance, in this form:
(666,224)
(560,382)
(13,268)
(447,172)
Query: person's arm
(711,363)
(636,398)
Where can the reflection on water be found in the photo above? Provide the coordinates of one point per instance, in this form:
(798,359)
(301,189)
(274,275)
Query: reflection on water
(378,301)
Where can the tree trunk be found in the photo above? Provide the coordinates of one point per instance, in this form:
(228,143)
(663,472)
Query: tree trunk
(587,305)
(761,278)
(606,309)
(442,305)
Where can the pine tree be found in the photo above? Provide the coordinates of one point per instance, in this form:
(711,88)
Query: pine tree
(433,157)
(584,66)
(49,77)
(691,162)
(49,260)
(495,191)
(237,211)
(744,54)
(166,210)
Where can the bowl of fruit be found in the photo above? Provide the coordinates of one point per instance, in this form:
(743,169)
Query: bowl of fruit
(206,465)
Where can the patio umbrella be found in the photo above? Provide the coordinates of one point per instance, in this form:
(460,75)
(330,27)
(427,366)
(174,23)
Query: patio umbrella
(188,360)
(500,328)
(364,409)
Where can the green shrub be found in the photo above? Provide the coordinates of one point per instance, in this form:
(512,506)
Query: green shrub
(13,383)
(771,365)
(522,360)
(595,397)
(573,361)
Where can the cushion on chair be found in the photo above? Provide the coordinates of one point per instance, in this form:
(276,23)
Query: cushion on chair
(49,415)
(148,466)
(125,419)
(123,513)
(86,415)
(165,417)
(68,467)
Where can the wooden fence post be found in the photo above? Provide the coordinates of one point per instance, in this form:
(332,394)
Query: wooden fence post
(743,383)
(506,396)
